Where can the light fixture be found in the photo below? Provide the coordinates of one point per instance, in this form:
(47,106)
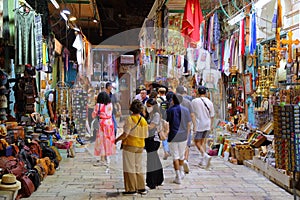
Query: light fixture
(73,18)
(55,4)
(95,20)
(66,11)
(64,16)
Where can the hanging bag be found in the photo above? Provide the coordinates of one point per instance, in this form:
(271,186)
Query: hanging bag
(96,121)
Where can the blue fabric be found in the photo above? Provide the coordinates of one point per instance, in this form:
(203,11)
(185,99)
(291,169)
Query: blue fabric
(217,33)
(253,33)
(178,118)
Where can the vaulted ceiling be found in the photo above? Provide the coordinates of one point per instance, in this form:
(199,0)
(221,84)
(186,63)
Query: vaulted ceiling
(117,16)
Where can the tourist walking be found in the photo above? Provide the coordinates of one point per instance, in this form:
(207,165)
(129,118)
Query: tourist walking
(105,138)
(135,130)
(180,90)
(202,123)
(154,175)
(179,119)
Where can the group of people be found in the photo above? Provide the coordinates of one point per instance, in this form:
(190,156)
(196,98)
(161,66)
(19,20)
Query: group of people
(162,116)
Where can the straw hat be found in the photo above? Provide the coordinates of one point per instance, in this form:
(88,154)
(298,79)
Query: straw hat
(9,181)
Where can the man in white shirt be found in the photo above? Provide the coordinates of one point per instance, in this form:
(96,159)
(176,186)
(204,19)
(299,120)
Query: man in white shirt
(202,123)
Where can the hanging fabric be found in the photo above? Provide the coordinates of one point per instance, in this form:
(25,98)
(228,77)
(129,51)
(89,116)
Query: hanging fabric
(216,30)
(25,38)
(39,42)
(222,51)
(253,33)
(277,16)
(242,38)
(192,19)
(226,57)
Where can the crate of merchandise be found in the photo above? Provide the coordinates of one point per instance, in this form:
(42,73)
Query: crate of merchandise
(243,152)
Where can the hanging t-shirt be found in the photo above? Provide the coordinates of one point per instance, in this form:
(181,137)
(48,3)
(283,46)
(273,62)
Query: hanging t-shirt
(78,44)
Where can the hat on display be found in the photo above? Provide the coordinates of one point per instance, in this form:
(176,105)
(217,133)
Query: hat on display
(180,90)
(3,78)
(3,101)
(9,181)
(29,129)
(3,111)
(202,90)
(3,118)
(3,130)
(3,90)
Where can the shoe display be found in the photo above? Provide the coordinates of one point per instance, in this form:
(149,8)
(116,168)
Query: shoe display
(186,166)
(129,193)
(177,180)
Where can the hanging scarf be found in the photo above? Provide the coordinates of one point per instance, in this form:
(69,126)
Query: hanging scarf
(222,50)
(226,57)
(253,33)
(217,33)
(242,38)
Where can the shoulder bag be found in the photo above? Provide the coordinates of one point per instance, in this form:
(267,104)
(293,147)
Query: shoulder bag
(205,105)
(97,120)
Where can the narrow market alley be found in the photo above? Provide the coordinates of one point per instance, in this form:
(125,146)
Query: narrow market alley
(78,179)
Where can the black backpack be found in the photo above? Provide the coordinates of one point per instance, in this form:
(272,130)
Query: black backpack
(164,105)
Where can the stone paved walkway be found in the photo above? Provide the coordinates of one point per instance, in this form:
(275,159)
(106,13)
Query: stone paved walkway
(78,179)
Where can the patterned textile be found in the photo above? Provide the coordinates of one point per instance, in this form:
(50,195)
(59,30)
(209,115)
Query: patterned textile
(105,139)
(39,42)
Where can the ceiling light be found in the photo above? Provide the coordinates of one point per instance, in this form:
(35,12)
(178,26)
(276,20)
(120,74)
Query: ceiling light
(66,11)
(55,4)
(95,20)
(73,18)
(64,16)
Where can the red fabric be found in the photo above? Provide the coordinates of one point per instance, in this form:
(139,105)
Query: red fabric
(192,19)
(242,38)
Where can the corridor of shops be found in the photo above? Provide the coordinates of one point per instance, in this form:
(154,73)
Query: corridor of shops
(104,99)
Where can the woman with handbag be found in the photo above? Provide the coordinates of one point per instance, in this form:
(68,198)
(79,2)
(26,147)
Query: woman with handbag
(105,139)
(154,176)
(133,141)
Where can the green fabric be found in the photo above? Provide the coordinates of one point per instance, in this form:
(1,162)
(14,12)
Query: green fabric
(11,15)
(55,65)
(25,39)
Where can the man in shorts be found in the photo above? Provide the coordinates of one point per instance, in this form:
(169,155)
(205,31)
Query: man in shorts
(202,123)
(180,90)
(179,119)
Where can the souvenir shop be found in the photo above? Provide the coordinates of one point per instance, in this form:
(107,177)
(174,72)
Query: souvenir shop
(248,58)
(44,94)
